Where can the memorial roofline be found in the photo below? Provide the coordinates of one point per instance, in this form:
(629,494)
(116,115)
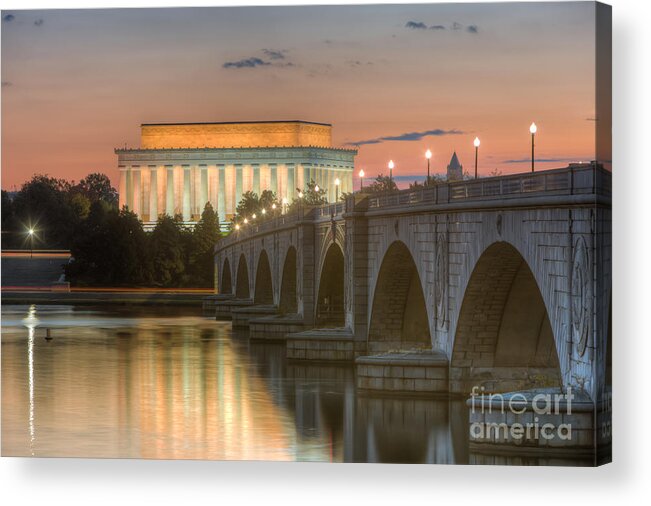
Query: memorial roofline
(328,148)
(238,123)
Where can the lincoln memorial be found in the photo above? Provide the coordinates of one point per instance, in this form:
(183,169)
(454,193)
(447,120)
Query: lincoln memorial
(179,167)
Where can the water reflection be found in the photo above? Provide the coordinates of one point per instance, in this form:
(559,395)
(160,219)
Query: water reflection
(172,384)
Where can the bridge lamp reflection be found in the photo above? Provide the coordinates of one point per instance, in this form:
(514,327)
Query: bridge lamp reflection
(533,129)
(428,155)
(476,143)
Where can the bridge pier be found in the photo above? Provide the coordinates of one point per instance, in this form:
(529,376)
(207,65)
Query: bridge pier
(424,373)
(276,327)
(224,308)
(242,316)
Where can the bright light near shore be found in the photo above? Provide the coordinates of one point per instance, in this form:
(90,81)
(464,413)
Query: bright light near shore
(476,143)
(361,173)
(30,231)
(533,128)
(337,182)
(391,164)
(428,154)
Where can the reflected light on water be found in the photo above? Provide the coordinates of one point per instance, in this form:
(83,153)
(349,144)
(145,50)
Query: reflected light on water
(169,384)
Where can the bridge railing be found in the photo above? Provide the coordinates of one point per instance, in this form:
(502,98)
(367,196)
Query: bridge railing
(330,210)
(572,180)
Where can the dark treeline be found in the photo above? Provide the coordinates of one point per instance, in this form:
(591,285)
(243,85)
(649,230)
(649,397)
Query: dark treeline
(109,246)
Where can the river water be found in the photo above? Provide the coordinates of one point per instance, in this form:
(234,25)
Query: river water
(171,383)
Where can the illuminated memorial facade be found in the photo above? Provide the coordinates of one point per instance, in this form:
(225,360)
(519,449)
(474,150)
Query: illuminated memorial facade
(180,167)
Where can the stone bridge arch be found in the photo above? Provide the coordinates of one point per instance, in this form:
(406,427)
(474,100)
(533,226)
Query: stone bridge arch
(226,278)
(242,289)
(263,292)
(330,289)
(503,339)
(288,301)
(399,317)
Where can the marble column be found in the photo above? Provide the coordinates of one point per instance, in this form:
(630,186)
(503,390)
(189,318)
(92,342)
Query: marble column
(129,189)
(122,189)
(137,191)
(291,184)
(203,194)
(153,194)
(186,193)
(169,204)
(238,184)
(274,179)
(221,199)
(256,178)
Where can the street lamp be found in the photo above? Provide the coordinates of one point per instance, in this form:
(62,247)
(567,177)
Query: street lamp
(476,143)
(300,195)
(428,155)
(361,179)
(285,202)
(254,216)
(246,220)
(533,129)
(337,183)
(237,226)
(30,232)
(391,166)
(264,211)
(316,188)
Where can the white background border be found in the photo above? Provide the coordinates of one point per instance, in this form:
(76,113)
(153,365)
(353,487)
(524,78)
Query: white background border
(628,480)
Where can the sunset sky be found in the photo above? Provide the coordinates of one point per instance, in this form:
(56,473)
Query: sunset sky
(394,79)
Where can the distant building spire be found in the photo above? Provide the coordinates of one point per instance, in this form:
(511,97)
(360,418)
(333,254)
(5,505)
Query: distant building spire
(455,169)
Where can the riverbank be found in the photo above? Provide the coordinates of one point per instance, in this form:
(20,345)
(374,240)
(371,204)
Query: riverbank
(140,297)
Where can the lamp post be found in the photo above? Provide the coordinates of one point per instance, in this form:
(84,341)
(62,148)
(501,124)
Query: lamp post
(31,242)
(428,155)
(476,143)
(285,202)
(533,129)
(337,183)
(361,180)
(391,166)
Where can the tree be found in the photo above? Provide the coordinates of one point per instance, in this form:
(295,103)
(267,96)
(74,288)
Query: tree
(312,197)
(167,253)
(110,248)
(97,186)
(251,204)
(43,204)
(201,258)
(382,184)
